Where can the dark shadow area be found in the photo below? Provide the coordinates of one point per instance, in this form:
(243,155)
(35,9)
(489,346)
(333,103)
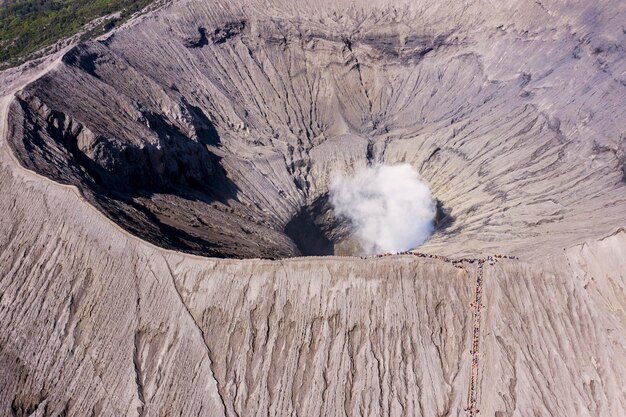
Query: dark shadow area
(308,236)
(81,58)
(201,41)
(139,220)
(207,134)
(443,219)
(219,35)
(228,31)
(315,230)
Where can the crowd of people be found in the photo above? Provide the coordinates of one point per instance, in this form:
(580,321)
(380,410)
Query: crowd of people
(408,252)
(477,305)
(456,262)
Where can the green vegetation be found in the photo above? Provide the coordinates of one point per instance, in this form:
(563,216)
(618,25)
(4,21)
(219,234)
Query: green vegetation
(28,25)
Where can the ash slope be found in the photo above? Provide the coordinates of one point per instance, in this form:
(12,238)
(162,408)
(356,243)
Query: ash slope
(228,121)
(99,322)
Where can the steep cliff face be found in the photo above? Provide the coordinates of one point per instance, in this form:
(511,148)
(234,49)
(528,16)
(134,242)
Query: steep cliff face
(215,130)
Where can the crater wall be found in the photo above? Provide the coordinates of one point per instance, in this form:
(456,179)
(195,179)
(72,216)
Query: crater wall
(213,135)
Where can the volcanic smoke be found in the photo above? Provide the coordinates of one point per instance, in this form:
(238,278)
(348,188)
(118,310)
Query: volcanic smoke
(390,207)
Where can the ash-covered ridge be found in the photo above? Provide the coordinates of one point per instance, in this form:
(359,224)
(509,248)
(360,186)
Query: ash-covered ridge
(215,130)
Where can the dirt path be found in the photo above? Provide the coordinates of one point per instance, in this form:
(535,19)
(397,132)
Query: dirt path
(473,389)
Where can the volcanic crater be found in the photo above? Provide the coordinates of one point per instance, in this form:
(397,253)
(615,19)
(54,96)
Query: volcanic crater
(222,138)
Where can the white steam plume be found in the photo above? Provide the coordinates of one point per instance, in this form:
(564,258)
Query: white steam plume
(390,207)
